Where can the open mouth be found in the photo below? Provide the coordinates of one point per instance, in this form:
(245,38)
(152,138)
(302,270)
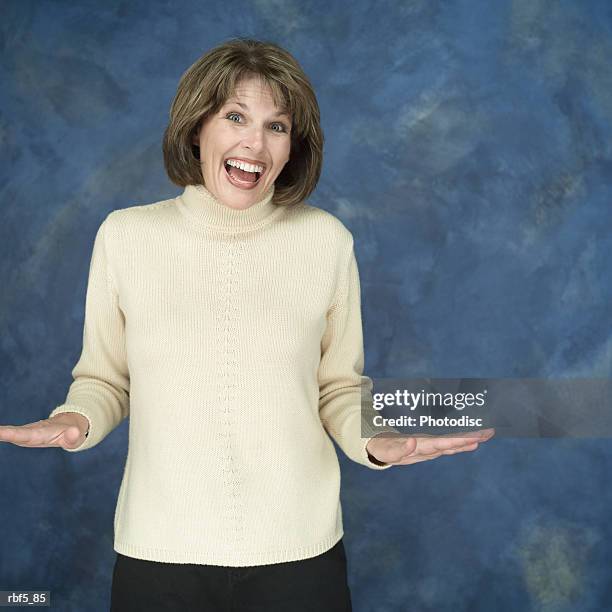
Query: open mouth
(242,178)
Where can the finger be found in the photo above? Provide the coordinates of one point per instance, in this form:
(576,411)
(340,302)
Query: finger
(30,425)
(441,444)
(14,436)
(428,457)
(403,446)
(31,435)
(484,434)
(420,455)
(417,459)
(480,435)
(454,451)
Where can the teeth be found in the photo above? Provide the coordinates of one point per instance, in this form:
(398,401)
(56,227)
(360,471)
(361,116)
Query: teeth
(243,166)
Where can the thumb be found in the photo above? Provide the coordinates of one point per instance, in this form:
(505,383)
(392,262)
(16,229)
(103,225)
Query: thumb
(406,447)
(71,437)
(396,449)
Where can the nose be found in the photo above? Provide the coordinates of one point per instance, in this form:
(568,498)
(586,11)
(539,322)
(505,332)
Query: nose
(254,138)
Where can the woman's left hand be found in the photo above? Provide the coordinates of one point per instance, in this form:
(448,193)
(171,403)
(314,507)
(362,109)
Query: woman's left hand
(407,450)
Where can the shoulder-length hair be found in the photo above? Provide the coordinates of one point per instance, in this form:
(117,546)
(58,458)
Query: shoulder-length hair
(208,83)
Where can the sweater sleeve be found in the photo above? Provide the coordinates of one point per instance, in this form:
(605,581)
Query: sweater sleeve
(345,399)
(100,390)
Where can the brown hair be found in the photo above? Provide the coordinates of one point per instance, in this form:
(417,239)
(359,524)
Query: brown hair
(211,80)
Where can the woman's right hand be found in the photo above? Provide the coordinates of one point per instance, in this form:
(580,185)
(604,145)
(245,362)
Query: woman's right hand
(66,430)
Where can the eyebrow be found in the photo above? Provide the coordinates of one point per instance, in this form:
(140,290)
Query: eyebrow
(280,113)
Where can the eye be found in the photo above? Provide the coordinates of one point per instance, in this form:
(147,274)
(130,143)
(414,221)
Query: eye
(282,126)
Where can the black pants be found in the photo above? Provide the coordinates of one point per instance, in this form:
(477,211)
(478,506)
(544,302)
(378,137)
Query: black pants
(316,584)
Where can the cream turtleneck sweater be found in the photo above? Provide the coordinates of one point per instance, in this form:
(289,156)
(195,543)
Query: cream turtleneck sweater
(233,340)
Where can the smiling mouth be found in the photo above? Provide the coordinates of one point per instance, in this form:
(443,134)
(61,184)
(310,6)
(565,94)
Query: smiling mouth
(242,178)
(239,174)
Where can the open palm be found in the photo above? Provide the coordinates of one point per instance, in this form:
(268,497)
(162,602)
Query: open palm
(66,430)
(400,450)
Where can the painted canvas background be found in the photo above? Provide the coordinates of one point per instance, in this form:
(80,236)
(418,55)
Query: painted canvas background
(468,149)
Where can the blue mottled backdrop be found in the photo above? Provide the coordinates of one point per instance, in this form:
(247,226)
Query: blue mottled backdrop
(467,149)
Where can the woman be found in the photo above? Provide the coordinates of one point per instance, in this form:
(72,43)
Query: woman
(226,322)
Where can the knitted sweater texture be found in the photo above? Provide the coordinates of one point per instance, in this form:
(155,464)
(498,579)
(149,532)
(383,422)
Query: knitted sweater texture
(233,341)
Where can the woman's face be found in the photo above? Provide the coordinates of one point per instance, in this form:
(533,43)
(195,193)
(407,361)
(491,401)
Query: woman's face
(251,127)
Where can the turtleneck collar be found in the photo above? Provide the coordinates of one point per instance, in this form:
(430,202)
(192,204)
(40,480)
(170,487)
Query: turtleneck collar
(203,208)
